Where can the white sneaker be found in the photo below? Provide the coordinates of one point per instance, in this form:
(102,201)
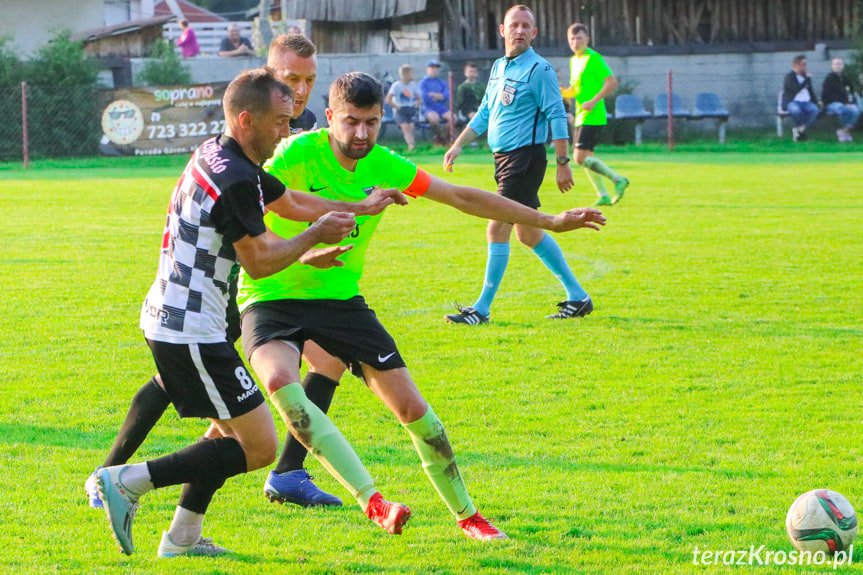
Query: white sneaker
(204,546)
(92,491)
(795,134)
(119,504)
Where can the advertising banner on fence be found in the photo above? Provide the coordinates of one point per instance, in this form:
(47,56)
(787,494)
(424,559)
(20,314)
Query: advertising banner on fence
(152,121)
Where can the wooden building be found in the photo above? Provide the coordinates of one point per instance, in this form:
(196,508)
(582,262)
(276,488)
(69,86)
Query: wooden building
(131,39)
(351,26)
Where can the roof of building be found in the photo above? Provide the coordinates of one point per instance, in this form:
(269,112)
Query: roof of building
(191,12)
(351,10)
(120,29)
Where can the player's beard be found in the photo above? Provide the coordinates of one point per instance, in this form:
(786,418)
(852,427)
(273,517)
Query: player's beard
(354,153)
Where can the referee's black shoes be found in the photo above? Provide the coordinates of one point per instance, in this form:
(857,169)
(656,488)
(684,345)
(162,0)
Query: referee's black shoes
(567,309)
(466,315)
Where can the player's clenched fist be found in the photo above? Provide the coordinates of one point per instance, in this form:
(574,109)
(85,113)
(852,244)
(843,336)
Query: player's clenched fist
(333,227)
(578,218)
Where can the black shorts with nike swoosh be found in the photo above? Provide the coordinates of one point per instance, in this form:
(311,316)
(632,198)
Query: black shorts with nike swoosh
(346,329)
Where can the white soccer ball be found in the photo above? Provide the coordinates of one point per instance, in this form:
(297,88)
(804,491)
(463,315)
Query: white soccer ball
(821,520)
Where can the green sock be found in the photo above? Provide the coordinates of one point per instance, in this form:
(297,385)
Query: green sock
(434,450)
(314,429)
(594,164)
(597,182)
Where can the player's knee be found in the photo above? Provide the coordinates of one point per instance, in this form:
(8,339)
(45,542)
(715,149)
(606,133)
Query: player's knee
(261,453)
(277,379)
(528,236)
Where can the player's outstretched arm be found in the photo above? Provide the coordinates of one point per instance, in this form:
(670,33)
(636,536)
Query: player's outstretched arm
(304,207)
(261,256)
(491,206)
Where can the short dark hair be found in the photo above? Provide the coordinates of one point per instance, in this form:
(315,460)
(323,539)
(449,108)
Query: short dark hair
(358,89)
(251,91)
(184,22)
(470,65)
(578,27)
(799,58)
(522,8)
(294,44)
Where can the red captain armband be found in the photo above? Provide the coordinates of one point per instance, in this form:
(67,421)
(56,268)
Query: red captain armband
(420,185)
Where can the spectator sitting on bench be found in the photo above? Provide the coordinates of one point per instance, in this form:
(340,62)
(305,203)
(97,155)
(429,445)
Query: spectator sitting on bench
(837,93)
(235,44)
(404,98)
(799,99)
(435,97)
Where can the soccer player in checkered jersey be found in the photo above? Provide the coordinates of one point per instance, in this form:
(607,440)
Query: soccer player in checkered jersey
(282,312)
(215,222)
(294,61)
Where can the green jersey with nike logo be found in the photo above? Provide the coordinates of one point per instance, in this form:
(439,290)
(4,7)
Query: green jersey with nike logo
(587,74)
(306,163)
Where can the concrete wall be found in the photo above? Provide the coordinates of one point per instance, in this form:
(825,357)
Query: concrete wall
(747,84)
(29,24)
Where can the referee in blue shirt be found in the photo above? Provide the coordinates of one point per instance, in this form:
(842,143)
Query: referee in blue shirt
(522,98)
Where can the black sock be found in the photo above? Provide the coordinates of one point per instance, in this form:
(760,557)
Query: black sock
(204,462)
(320,390)
(196,496)
(147,407)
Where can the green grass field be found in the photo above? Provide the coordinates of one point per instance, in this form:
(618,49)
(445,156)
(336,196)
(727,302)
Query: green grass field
(718,378)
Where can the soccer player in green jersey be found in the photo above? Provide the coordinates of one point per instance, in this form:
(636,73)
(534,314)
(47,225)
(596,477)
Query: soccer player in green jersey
(591,81)
(278,316)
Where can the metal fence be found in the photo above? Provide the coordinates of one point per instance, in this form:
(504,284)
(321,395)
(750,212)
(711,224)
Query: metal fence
(66,121)
(61,122)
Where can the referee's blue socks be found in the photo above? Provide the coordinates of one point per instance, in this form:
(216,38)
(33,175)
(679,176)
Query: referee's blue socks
(550,254)
(498,257)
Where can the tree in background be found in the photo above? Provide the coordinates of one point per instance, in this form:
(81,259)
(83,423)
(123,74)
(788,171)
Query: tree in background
(62,117)
(164,68)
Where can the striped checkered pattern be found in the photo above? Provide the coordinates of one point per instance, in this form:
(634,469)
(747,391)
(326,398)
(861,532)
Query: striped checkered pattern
(187,302)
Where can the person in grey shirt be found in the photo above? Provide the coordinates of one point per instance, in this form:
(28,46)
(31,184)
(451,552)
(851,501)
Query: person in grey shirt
(404,97)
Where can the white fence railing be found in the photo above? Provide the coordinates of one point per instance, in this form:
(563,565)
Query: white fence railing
(209,34)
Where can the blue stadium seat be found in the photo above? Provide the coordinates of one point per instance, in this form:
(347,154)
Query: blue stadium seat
(629,107)
(660,107)
(707,105)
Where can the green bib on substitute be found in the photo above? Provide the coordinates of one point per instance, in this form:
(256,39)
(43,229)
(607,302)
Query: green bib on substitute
(586,76)
(306,163)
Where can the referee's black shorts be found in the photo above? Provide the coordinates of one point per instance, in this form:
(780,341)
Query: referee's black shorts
(519,174)
(346,329)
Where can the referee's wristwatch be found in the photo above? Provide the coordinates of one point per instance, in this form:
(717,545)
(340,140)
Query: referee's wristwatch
(562,160)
